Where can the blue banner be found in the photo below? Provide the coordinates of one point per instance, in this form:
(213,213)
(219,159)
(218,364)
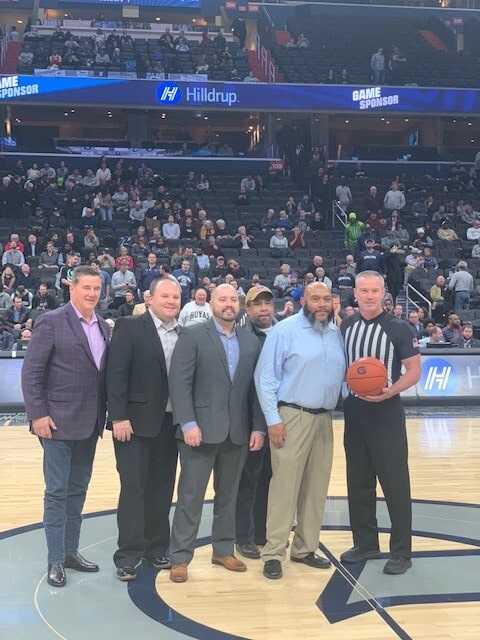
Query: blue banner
(241,96)
(177,4)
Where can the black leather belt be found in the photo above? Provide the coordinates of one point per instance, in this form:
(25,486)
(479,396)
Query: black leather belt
(297,406)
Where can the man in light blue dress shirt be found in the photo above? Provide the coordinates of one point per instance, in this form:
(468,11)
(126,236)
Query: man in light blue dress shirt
(298,379)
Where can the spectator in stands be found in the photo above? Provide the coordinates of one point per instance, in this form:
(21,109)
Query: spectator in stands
(187,281)
(103,172)
(7,340)
(344,195)
(123,280)
(287,311)
(476,250)
(440,215)
(248,183)
(13,256)
(394,199)
(49,258)
(55,60)
(137,216)
(296,239)
(8,279)
(397,63)
(202,66)
(16,316)
(279,244)
(331,78)
(344,77)
(377,65)
(462,283)
(124,257)
(353,230)
(25,59)
(467,341)
(126,309)
(343,281)
(242,199)
(5,297)
(439,295)
(181,43)
(282,282)
(445,232)
(88,219)
(371,259)
(212,250)
(429,261)
(452,331)
(321,276)
(236,270)
(244,240)
(22,292)
(44,300)
(251,77)
(468,214)
(105,261)
(418,212)
(120,199)
(306,204)
(220,41)
(105,206)
(223,233)
(434,335)
(268,221)
(303,42)
(421,240)
(417,326)
(14,35)
(302,222)
(473,232)
(373,203)
(283,222)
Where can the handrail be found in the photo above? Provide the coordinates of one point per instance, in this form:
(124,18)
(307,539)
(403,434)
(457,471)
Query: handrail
(341,217)
(418,293)
(265,59)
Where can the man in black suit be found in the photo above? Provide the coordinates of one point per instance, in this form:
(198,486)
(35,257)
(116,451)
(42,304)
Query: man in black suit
(467,341)
(143,433)
(211,385)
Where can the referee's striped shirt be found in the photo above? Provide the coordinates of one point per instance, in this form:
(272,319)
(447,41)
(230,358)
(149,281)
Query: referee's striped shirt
(385,337)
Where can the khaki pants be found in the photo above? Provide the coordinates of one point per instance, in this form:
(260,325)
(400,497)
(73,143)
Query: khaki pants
(300,476)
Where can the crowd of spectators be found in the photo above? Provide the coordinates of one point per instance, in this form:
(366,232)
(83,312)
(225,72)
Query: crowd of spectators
(135,225)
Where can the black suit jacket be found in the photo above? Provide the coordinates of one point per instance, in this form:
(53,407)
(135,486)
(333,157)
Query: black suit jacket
(137,382)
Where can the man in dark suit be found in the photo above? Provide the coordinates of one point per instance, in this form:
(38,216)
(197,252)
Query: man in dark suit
(143,433)
(211,387)
(16,316)
(63,382)
(467,341)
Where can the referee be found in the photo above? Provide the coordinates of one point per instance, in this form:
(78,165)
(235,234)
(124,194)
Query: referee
(375,436)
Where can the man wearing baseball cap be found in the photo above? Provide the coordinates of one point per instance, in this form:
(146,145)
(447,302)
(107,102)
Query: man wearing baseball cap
(353,231)
(253,490)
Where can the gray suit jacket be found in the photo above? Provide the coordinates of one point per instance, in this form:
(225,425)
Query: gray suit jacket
(201,390)
(60,378)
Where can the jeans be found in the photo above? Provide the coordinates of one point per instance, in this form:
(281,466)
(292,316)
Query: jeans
(67,468)
(462,300)
(106,213)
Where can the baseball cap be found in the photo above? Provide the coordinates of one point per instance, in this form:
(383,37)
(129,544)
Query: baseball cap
(255,291)
(415,250)
(352,216)
(369,241)
(420,230)
(106,249)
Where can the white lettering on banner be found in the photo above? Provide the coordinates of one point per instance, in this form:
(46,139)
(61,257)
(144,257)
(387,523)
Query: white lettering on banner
(372,98)
(471,377)
(169,94)
(202,94)
(438,377)
(9,88)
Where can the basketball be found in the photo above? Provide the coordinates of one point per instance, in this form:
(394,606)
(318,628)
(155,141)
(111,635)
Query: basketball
(367,377)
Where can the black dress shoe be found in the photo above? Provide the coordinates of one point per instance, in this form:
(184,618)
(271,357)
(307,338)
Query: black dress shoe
(397,565)
(160,562)
(273,569)
(79,563)
(249,550)
(312,560)
(126,573)
(56,575)
(357,554)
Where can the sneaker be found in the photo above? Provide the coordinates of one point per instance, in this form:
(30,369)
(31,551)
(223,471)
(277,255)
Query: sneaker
(397,565)
(356,554)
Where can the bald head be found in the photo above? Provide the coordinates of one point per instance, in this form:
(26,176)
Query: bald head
(317,305)
(224,304)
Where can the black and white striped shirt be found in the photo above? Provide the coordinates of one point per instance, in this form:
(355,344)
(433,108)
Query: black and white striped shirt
(385,337)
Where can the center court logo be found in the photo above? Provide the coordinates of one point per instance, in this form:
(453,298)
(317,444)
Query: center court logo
(439,377)
(169,93)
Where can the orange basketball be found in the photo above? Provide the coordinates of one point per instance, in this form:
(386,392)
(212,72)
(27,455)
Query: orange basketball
(367,377)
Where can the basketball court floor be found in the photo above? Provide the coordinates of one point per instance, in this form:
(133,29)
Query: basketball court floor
(439,598)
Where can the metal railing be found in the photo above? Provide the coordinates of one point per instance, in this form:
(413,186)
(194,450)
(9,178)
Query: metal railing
(339,215)
(409,301)
(265,59)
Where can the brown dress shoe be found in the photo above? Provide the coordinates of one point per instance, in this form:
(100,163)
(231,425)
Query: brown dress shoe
(179,573)
(230,562)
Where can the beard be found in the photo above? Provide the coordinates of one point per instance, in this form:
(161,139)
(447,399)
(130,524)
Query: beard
(317,325)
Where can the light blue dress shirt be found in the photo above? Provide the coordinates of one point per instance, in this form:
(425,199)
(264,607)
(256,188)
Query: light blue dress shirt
(299,365)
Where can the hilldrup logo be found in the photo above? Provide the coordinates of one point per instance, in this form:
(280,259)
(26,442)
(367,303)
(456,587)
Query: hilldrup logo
(169,93)
(439,377)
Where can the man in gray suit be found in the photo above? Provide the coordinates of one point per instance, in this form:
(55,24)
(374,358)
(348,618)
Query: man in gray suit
(63,382)
(211,388)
